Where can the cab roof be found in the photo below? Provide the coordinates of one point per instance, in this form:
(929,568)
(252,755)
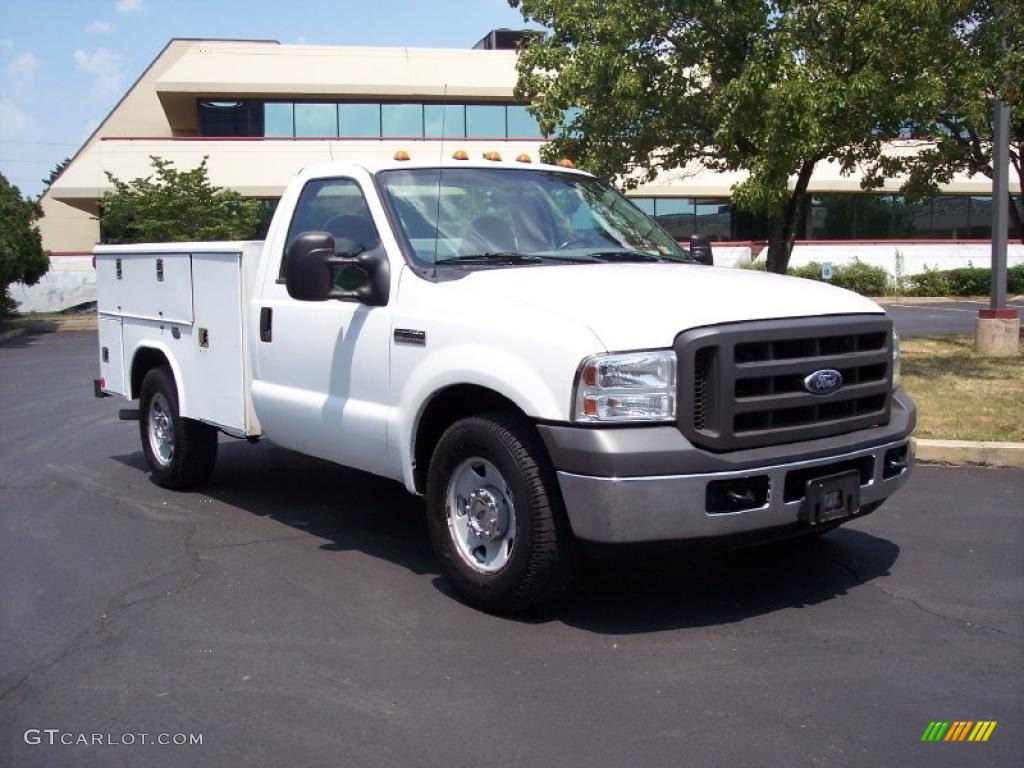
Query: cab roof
(373,165)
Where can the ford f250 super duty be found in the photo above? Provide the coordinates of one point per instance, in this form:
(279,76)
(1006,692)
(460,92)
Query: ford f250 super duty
(523,347)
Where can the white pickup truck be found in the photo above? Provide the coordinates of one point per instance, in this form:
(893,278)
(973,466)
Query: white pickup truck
(523,347)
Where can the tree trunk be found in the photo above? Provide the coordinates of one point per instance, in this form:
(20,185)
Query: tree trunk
(783,221)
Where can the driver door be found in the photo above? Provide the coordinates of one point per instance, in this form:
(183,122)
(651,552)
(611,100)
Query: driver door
(323,373)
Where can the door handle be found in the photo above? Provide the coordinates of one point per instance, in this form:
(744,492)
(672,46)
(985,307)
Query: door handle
(266,323)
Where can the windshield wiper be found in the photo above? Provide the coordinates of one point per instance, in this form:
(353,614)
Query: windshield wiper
(627,255)
(492,257)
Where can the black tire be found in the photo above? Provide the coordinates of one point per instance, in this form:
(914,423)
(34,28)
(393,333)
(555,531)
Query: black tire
(543,559)
(194,444)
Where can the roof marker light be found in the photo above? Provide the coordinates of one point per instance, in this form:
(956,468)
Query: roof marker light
(524,158)
(565,162)
(492,155)
(401,155)
(460,154)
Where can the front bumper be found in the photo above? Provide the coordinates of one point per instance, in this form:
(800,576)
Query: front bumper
(624,506)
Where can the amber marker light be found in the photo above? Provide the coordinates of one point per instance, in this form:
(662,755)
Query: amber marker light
(524,158)
(401,155)
(460,154)
(492,155)
(565,162)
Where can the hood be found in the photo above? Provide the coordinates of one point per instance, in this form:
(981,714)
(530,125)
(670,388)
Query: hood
(644,306)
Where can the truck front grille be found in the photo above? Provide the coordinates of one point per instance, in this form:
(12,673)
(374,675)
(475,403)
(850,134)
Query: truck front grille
(742,385)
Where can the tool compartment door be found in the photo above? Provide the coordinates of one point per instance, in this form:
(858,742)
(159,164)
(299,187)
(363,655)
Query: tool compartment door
(111,354)
(152,286)
(216,372)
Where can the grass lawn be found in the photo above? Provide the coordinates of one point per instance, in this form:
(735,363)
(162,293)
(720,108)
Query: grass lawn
(961,396)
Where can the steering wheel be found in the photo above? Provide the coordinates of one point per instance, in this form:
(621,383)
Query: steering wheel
(355,228)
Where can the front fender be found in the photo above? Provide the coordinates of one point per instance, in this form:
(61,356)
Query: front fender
(487,366)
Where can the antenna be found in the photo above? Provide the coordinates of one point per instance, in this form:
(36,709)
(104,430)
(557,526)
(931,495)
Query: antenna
(440,173)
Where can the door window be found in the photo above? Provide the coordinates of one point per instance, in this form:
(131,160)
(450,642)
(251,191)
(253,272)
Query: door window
(335,206)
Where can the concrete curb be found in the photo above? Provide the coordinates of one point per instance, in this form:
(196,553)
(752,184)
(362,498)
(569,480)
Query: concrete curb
(988,454)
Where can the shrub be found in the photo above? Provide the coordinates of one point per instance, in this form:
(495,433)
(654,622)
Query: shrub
(855,276)
(965,281)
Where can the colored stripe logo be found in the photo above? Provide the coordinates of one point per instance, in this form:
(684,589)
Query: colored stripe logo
(958,730)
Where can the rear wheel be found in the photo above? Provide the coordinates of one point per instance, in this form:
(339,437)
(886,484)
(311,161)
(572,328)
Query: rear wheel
(495,515)
(180,452)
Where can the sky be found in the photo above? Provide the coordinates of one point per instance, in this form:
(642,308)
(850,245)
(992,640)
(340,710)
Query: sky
(65,63)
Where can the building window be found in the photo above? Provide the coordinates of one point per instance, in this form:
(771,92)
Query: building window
(316,120)
(359,120)
(278,119)
(713,218)
(450,117)
(230,118)
(676,215)
(401,120)
(485,121)
(521,124)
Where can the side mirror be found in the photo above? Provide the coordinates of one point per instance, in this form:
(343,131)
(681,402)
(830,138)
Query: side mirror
(700,249)
(314,271)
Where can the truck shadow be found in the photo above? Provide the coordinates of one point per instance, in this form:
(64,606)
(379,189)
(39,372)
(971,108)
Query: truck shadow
(672,588)
(627,590)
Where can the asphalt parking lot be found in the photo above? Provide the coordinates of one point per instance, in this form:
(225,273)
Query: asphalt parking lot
(941,318)
(292,614)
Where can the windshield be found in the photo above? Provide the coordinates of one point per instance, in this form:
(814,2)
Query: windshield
(464,215)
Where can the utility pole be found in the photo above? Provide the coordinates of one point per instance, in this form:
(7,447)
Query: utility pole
(998,332)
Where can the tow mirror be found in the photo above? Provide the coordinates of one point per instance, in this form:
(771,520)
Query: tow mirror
(700,250)
(317,269)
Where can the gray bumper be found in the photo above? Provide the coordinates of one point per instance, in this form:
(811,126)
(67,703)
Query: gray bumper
(630,507)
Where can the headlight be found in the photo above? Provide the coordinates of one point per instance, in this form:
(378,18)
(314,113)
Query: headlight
(895,359)
(640,386)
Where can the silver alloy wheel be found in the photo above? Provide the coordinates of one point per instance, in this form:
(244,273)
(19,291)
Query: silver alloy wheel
(161,429)
(481,516)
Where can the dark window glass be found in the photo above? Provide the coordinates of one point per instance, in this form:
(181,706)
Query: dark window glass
(401,120)
(645,204)
(267,207)
(832,217)
(336,206)
(749,226)
(713,218)
(316,120)
(1015,230)
(675,214)
(485,121)
(451,116)
(277,119)
(230,118)
(359,120)
(980,212)
(521,124)
(950,217)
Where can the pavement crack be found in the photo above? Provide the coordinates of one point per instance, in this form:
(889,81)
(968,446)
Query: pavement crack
(964,624)
(121,601)
(269,540)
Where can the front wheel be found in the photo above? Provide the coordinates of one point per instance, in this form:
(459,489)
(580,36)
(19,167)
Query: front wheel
(180,452)
(495,515)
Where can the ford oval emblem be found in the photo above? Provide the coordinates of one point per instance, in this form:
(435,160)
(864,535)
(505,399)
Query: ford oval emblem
(823,382)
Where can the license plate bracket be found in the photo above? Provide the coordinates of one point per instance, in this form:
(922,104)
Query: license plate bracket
(830,498)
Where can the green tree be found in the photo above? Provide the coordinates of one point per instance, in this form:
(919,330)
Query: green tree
(175,205)
(768,89)
(984,61)
(22,257)
(55,173)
